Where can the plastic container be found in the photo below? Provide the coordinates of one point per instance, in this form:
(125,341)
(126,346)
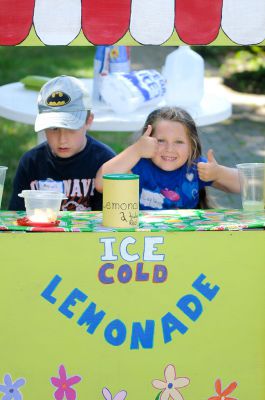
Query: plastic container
(42,205)
(2,181)
(119,59)
(101,67)
(184,74)
(124,93)
(121,200)
(109,59)
(252,183)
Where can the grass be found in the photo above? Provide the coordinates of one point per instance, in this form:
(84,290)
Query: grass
(18,62)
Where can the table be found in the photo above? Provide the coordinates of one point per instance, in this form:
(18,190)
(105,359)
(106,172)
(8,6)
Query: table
(149,221)
(117,309)
(20,104)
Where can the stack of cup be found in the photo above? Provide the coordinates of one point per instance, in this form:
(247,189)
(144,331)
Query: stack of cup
(2,181)
(252,182)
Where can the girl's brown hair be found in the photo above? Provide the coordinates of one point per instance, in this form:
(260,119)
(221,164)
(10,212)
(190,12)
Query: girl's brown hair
(176,114)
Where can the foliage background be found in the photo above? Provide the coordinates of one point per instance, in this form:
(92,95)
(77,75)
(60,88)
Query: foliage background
(243,68)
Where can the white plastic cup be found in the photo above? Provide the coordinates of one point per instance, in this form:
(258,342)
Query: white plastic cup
(252,183)
(2,181)
(42,205)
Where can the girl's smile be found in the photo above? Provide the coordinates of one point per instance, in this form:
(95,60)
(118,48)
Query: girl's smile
(168,158)
(173,145)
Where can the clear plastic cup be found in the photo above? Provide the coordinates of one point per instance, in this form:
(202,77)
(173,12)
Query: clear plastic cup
(2,181)
(42,205)
(252,183)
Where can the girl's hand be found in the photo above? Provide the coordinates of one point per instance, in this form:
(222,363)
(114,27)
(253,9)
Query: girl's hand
(208,171)
(147,146)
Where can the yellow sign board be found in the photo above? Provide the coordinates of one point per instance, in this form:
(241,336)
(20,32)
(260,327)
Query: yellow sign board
(142,315)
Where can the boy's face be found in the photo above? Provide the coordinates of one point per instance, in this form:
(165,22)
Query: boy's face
(65,143)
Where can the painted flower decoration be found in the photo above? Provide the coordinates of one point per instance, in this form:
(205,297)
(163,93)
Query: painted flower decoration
(64,385)
(171,384)
(11,388)
(108,396)
(222,395)
(114,53)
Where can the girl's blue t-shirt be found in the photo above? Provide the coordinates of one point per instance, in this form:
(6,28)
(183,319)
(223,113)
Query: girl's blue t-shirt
(162,190)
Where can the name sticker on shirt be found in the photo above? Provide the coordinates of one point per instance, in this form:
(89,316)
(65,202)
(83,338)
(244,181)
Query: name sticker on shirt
(152,199)
(49,184)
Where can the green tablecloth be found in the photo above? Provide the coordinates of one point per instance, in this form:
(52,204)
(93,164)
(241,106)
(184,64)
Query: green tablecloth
(171,220)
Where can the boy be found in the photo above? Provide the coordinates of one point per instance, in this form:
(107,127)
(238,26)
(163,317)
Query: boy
(68,161)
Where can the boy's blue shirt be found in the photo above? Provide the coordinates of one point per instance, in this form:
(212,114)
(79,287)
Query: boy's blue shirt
(161,189)
(74,175)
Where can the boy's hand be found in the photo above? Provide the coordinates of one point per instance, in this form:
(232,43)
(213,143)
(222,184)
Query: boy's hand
(147,145)
(208,171)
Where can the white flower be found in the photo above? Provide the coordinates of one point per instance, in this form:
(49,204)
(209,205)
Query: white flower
(171,384)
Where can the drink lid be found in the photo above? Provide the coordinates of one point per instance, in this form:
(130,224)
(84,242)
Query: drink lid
(121,176)
(42,194)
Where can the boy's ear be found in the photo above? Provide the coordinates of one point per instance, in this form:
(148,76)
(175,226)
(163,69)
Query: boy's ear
(89,119)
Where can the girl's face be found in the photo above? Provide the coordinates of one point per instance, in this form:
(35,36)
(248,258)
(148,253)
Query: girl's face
(174,145)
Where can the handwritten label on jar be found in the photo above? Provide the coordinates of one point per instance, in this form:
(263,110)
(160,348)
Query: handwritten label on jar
(121,200)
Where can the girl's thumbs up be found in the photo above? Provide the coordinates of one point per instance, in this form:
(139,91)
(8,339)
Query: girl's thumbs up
(210,156)
(207,170)
(148,131)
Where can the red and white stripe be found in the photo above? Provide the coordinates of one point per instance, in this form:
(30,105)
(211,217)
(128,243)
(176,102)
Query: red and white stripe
(15,21)
(152,21)
(105,22)
(198,21)
(57,22)
(243,21)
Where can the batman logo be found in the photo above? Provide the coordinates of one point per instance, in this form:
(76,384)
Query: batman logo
(58,99)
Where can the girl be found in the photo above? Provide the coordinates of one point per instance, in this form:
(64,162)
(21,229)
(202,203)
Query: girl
(167,157)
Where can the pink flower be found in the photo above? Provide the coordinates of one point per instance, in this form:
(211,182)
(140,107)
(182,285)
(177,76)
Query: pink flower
(171,384)
(64,385)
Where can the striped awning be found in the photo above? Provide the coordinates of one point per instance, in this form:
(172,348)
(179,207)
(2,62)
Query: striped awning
(153,22)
